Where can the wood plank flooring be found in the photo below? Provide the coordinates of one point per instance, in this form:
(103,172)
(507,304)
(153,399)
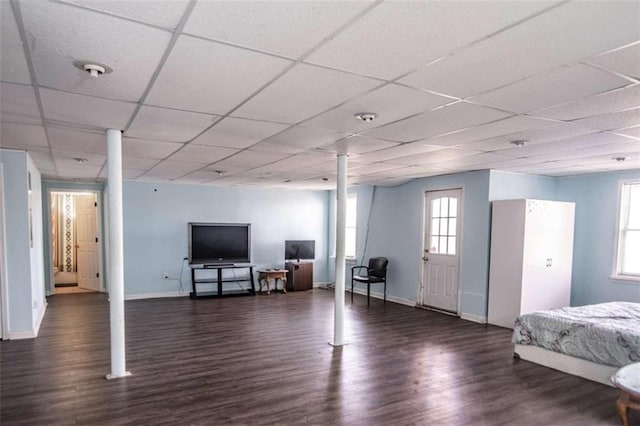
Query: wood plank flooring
(265,360)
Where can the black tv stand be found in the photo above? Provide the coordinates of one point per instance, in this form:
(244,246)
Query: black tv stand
(220,281)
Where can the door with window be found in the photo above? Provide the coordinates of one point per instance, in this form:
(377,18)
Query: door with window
(442,242)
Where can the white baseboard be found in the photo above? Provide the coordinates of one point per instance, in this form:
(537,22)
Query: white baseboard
(378,295)
(474,318)
(29,334)
(156,295)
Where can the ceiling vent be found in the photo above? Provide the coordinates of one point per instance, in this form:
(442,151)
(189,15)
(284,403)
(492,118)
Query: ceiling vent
(367,117)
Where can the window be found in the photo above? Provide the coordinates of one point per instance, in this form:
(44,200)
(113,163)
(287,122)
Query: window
(350,236)
(443,225)
(628,248)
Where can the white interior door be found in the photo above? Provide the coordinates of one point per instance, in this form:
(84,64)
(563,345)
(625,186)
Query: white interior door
(87,240)
(442,237)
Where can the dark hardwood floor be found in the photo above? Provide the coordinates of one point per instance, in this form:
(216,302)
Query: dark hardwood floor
(265,360)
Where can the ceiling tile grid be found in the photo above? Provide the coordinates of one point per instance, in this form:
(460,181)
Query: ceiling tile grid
(268,92)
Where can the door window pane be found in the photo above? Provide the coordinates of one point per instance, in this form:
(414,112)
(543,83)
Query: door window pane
(453,207)
(452,226)
(451,245)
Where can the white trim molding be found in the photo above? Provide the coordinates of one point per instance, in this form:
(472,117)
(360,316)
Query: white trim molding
(474,318)
(156,295)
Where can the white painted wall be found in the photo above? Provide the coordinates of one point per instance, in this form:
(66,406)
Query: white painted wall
(38,300)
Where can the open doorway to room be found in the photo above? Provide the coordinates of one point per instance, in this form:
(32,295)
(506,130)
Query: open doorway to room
(74,242)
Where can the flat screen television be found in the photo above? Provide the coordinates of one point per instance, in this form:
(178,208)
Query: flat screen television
(219,243)
(299,249)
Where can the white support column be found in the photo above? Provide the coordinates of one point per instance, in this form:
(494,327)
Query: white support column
(341,222)
(116,256)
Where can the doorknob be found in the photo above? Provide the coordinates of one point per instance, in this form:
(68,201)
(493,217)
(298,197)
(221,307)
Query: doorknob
(425,258)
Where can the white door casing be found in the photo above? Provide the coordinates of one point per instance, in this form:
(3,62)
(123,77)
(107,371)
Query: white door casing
(4,314)
(441,249)
(87,239)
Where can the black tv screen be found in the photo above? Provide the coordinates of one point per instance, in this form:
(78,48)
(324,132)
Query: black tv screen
(219,243)
(299,249)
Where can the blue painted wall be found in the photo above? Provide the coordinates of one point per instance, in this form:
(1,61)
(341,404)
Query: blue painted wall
(25,286)
(156,217)
(396,227)
(596,198)
(513,186)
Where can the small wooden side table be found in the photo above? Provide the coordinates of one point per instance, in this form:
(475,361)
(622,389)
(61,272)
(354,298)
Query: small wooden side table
(267,275)
(627,380)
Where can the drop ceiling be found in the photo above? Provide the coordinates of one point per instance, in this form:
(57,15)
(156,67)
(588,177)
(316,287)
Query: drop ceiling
(265,93)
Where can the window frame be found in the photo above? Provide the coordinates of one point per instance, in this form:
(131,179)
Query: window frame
(616,273)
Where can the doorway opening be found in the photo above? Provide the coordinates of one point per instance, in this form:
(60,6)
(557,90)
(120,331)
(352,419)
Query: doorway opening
(74,242)
(440,285)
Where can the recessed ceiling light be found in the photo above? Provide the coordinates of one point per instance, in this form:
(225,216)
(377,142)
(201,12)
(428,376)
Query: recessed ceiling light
(519,143)
(367,117)
(80,160)
(94,69)
(619,159)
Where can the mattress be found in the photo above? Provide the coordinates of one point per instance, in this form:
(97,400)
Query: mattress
(606,333)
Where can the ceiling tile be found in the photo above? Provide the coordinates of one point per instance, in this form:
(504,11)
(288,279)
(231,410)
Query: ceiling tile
(13,67)
(169,125)
(201,176)
(91,112)
(238,133)
(22,136)
(624,61)
(168,169)
(390,103)
(43,160)
(284,28)
(358,145)
(630,131)
(583,142)
(297,139)
(80,142)
(299,161)
(397,151)
(440,121)
(405,35)
(532,136)
(151,12)
(141,148)
(201,153)
(19,104)
(434,157)
(497,128)
(562,35)
(138,163)
(302,92)
(250,159)
(85,172)
(201,75)
(67,160)
(613,101)
(60,34)
(612,121)
(561,85)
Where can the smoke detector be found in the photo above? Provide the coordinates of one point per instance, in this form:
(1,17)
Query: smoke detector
(519,143)
(93,68)
(367,117)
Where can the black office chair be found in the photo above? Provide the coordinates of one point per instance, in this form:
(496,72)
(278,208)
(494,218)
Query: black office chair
(376,273)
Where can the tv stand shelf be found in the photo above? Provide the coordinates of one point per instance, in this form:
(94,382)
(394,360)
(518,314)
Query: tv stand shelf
(220,281)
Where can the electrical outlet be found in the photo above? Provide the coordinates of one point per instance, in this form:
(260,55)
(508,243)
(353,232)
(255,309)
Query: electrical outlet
(165,275)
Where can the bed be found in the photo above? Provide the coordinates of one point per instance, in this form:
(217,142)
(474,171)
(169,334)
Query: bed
(591,341)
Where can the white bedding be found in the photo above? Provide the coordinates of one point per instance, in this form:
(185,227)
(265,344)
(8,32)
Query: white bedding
(606,333)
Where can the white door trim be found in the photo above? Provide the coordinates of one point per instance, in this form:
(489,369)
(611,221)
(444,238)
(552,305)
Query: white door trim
(4,294)
(100,230)
(421,283)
